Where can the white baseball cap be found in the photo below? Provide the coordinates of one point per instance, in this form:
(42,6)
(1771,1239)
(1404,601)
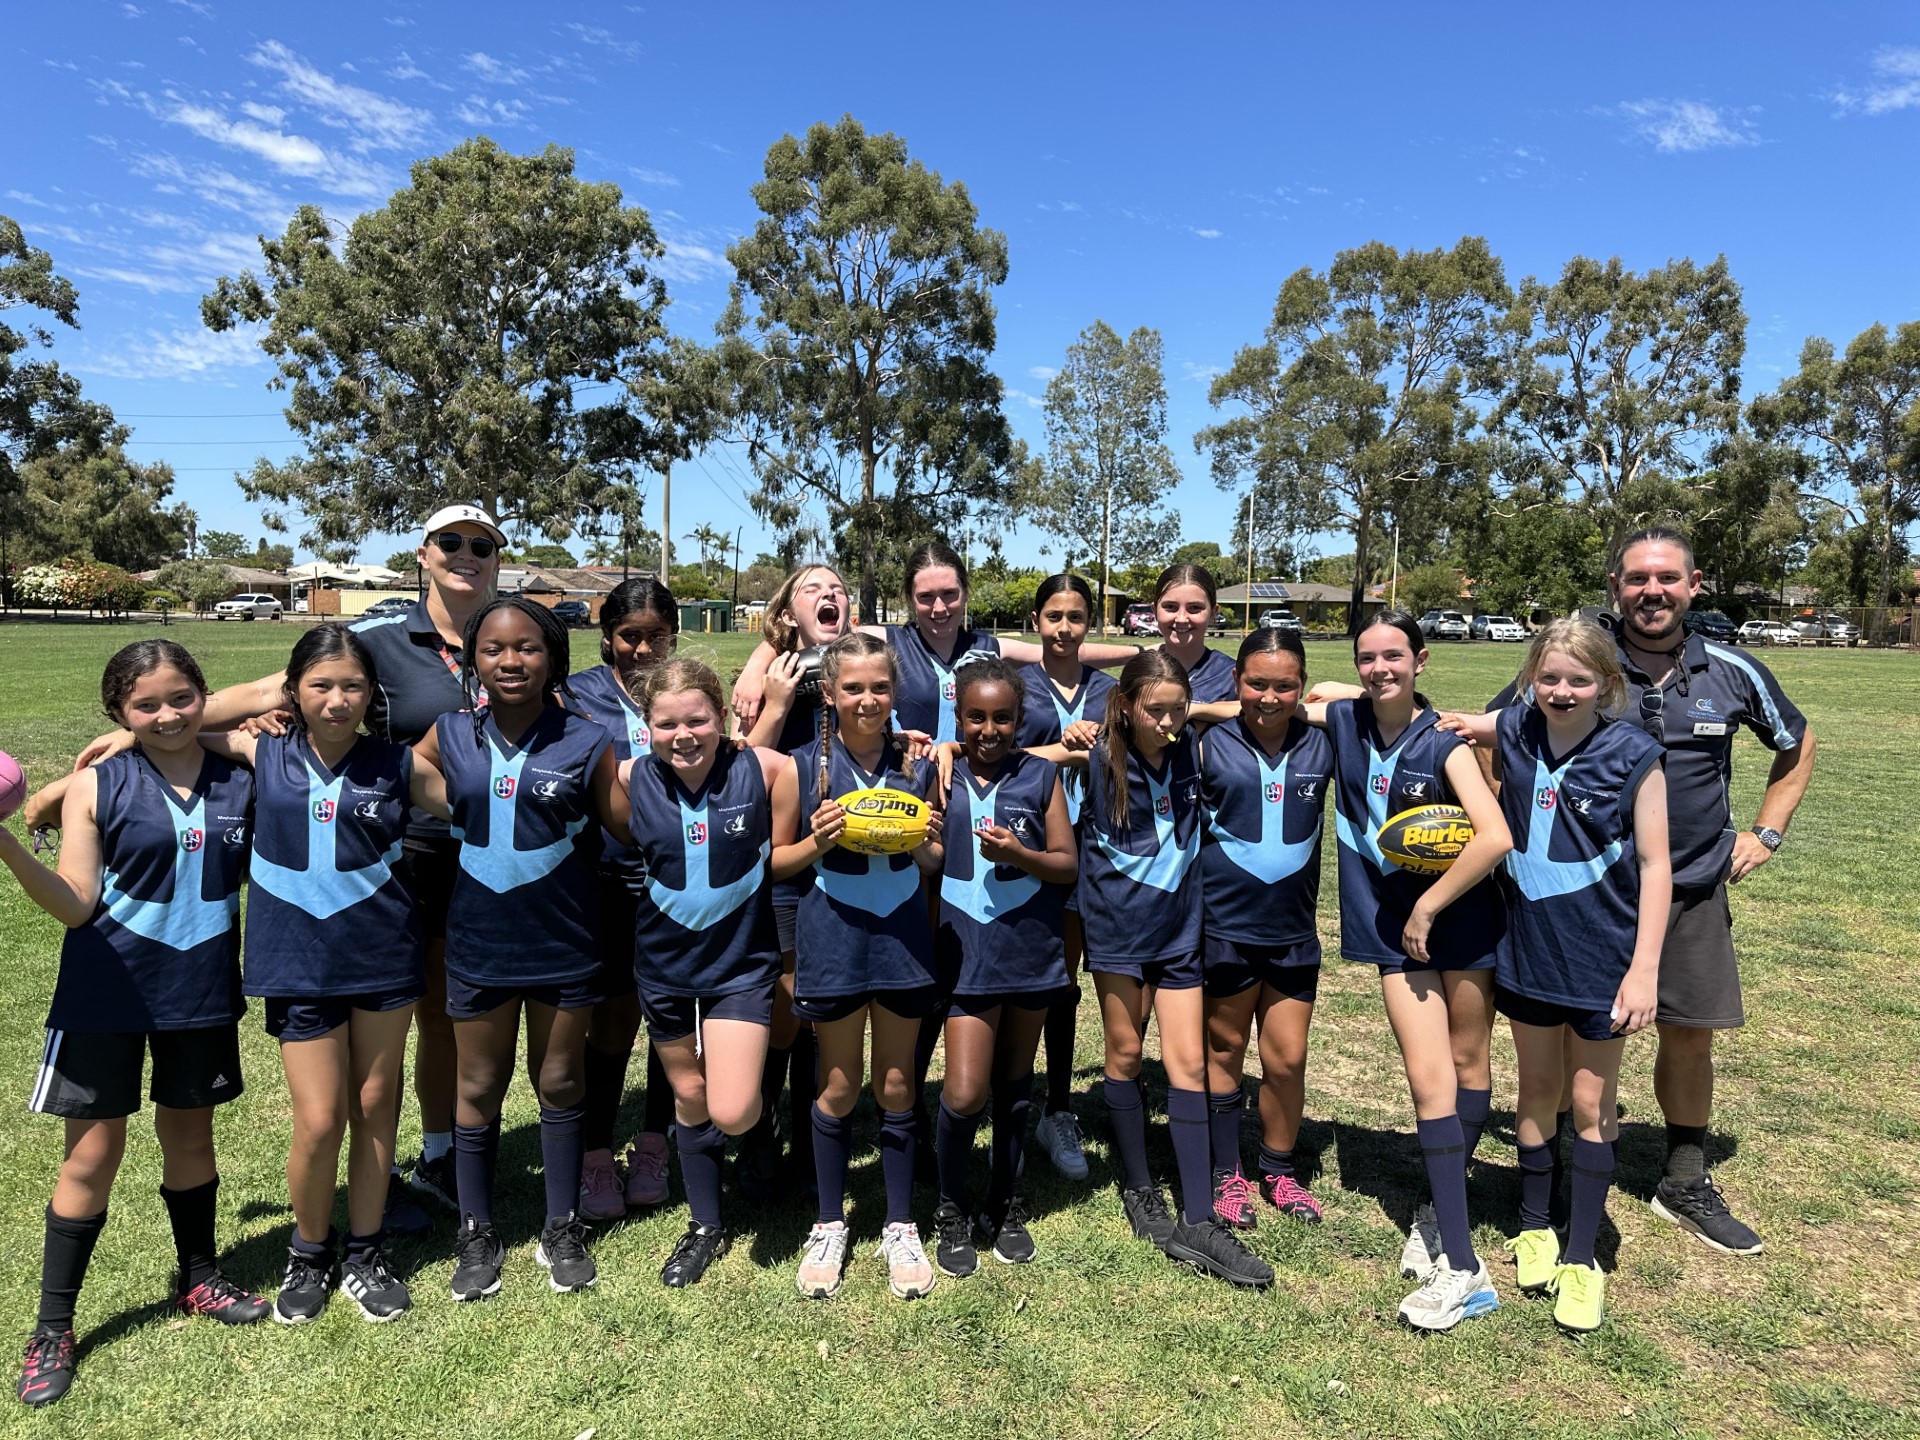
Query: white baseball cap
(463,515)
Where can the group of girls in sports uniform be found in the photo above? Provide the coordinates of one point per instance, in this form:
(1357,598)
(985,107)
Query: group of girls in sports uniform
(1164,828)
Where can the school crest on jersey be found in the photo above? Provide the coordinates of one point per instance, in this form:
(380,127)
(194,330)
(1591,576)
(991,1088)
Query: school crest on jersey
(947,691)
(1164,805)
(1276,792)
(697,833)
(503,786)
(192,838)
(1380,784)
(983,825)
(323,811)
(1546,799)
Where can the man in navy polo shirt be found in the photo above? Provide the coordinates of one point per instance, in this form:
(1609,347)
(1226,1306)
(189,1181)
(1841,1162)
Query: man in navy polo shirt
(1693,696)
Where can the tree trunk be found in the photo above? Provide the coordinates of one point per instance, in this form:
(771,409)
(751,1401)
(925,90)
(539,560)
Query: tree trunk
(1876,625)
(1106,556)
(666,522)
(869,586)
(1357,594)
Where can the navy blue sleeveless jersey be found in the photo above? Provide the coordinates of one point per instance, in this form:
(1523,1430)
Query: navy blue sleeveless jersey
(1005,923)
(1573,879)
(704,922)
(1139,893)
(1212,678)
(1372,784)
(162,951)
(524,908)
(419,681)
(1046,714)
(330,911)
(862,924)
(1260,867)
(924,700)
(599,695)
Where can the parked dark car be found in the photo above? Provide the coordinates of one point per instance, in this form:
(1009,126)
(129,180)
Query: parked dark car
(574,612)
(1709,624)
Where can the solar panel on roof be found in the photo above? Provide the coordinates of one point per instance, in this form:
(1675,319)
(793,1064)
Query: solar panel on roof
(1270,590)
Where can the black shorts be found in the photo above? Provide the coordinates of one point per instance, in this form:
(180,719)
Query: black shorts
(674,1017)
(1526,1010)
(1293,971)
(291,1019)
(1699,976)
(95,1075)
(1183,972)
(433,864)
(914,1004)
(614,933)
(469,1002)
(786,920)
(1018,999)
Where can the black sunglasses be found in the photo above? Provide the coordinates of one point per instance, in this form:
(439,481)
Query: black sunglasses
(1653,703)
(450,544)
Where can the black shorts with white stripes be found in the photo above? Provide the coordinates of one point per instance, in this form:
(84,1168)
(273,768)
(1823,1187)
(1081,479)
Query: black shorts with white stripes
(96,1075)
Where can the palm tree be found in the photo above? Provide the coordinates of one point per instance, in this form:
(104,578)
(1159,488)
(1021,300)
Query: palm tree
(711,542)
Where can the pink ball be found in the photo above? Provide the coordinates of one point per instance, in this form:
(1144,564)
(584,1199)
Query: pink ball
(13,785)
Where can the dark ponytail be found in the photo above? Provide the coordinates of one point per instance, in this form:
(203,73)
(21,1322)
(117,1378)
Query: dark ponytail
(1149,667)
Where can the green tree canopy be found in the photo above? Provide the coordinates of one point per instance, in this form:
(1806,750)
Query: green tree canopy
(438,352)
(91,500)
(557,556)
(402,560)
(224,544)
(866,345)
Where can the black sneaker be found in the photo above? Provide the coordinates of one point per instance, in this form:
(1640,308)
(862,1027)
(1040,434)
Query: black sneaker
(926,1162)
(696,1250)
(1212,1247)
(47,1372)
(370,1284)
(1148,1214)
(758,1168)
(403,1215)
(1696,1207)
(477,1257)
(953,1248)
(434,1179)
(222,1300)
(563,1254)
(304,1288)
(1008,1236)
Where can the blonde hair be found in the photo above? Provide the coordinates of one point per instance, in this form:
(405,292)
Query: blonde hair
(1590,646)
(678,673)
(782,634)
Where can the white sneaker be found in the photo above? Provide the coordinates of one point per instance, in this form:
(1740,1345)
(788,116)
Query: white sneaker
(909,1273)
(824,1264)
(1450,1296)
(1422,1250)
(1059,1136)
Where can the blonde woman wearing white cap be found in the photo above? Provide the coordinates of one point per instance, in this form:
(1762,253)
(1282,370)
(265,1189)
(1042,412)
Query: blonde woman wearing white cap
(418,658)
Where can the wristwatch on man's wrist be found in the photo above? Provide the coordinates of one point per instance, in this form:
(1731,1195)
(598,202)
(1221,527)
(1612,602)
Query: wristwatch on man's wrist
(1769,837)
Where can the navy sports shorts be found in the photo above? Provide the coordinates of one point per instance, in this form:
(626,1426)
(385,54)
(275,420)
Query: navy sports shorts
(469,1002)
(915,1004)
(1018,999)
(674,1017)
(1526,1010)
(291,1019)
(1292,971)
(1182,972)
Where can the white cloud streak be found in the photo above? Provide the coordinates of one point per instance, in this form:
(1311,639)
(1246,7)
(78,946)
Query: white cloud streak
(1684,126)
(1895,84)
(371,120)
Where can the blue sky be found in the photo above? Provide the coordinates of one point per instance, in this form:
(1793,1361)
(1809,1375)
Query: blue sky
(1150,165)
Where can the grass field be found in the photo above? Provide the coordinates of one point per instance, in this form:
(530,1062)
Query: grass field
(1816,1140)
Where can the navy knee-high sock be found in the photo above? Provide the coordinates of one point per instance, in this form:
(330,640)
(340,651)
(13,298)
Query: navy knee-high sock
(803,1086)
(1192,1151)
(1592,1177)
(1444,1148)
(897,1140)
(1129,1122)
(1275,1162)
(702,1147)
(476,1155)
(658,1114)
(773,1075)
(1562,1137)
(1473,1107)
(1012,1101)
(606,1088)
(1223,1129)
(832,1143)
(1536,1187)
(955,1135)
(560,1153)
(1063,1017)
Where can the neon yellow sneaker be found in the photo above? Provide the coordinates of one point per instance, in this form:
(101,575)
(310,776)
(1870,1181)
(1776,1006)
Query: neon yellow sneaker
(1536,1254)
(1580,1296)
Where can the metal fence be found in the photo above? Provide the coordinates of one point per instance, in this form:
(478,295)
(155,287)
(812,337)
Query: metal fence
(1824,625)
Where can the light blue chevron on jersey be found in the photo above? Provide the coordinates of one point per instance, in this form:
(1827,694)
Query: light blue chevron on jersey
(1170,861)
(1538,877)
(1269,860)
(983,896)
(879,889)
(698,904)
(1379,784)
(186,920)
(497,864)
(320,889)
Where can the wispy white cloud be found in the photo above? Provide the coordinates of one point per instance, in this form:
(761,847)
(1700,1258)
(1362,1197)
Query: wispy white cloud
(601,38)
(205,12)
(1206,234)
(478,110)
(213,184)
(174,354)
(265,114)
(1041,373)
(132,12)
(372,121)
(653,177)
(286,151)
(405,69)
(1895,84)
(494,72)
(1032,402)
(1679,126)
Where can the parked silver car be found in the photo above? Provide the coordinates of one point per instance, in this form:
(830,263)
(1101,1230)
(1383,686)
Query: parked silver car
(1279,620)
(1443,625)
(247,607)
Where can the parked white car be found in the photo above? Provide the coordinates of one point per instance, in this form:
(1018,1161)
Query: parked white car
(247,607)
(1279,620)
(1766,632)
(1443,625)
(1497,627)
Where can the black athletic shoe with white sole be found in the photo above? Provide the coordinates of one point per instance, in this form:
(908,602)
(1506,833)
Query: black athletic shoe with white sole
(1211,1246)
(563,1255)
(1696,1206)
(477,1258)
(953,1248)
(370,1284)
(696,1250)
(304,1288)
(434,1179)
(1148,1214)
(1007,1234)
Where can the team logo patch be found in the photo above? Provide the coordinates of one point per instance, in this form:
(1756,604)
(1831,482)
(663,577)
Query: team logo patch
(503,787)
(368,809)
(983,825)
(323,811)
(1276,792)
(638,735)
(1164,805)
(546,789)
(736,826)
(236,836)
(1417,790)
(1379,784)
(697,833)
(1546,798)
(946,690)
(1309,790)
(192,838)
(1583,805)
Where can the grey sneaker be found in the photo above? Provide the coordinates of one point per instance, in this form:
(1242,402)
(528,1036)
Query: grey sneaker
(1696,1206)
(1422,1250)
(1059,1136)
(1450,1296)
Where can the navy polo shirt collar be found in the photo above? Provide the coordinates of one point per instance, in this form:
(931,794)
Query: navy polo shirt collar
(1693,655)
